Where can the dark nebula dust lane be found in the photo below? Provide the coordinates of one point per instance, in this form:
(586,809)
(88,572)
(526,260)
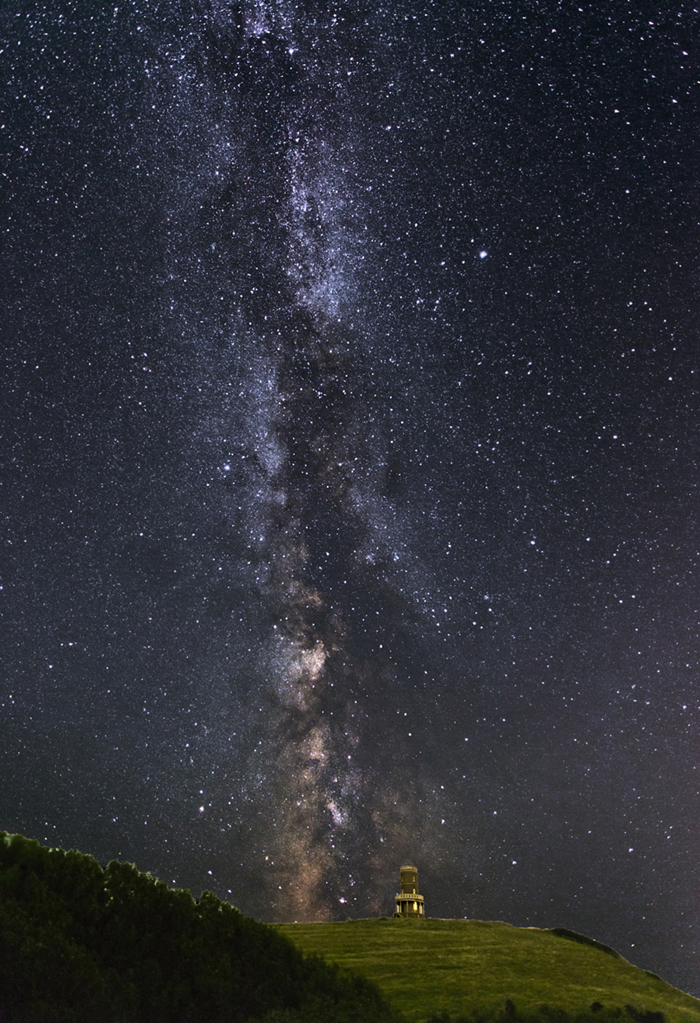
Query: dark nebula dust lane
(350,432)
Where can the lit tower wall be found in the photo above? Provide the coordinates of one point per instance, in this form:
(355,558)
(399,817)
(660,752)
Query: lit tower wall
(408,901)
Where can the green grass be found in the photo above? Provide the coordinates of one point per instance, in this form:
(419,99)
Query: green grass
(426,967)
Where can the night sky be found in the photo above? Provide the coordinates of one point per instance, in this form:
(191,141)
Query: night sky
(349,467)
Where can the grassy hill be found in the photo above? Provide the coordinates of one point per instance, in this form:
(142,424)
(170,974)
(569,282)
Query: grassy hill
(81,943)
(470,967)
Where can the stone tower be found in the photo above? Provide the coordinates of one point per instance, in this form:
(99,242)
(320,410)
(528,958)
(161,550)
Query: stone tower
(408,901)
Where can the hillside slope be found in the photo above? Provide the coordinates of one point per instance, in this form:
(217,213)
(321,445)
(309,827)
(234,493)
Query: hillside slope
(426,967)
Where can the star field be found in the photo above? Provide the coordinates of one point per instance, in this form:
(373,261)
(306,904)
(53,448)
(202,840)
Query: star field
(350,433)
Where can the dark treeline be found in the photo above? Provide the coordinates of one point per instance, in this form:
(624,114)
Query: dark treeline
(82,943)
(597,1013)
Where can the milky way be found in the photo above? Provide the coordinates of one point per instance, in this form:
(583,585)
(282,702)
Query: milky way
(350,435)
(314,474)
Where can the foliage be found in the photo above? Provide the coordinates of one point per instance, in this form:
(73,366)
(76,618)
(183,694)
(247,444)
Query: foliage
(471,969)
(597,1013)
(79,943)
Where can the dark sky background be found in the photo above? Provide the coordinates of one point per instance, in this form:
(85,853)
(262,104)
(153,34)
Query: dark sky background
(350,431)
